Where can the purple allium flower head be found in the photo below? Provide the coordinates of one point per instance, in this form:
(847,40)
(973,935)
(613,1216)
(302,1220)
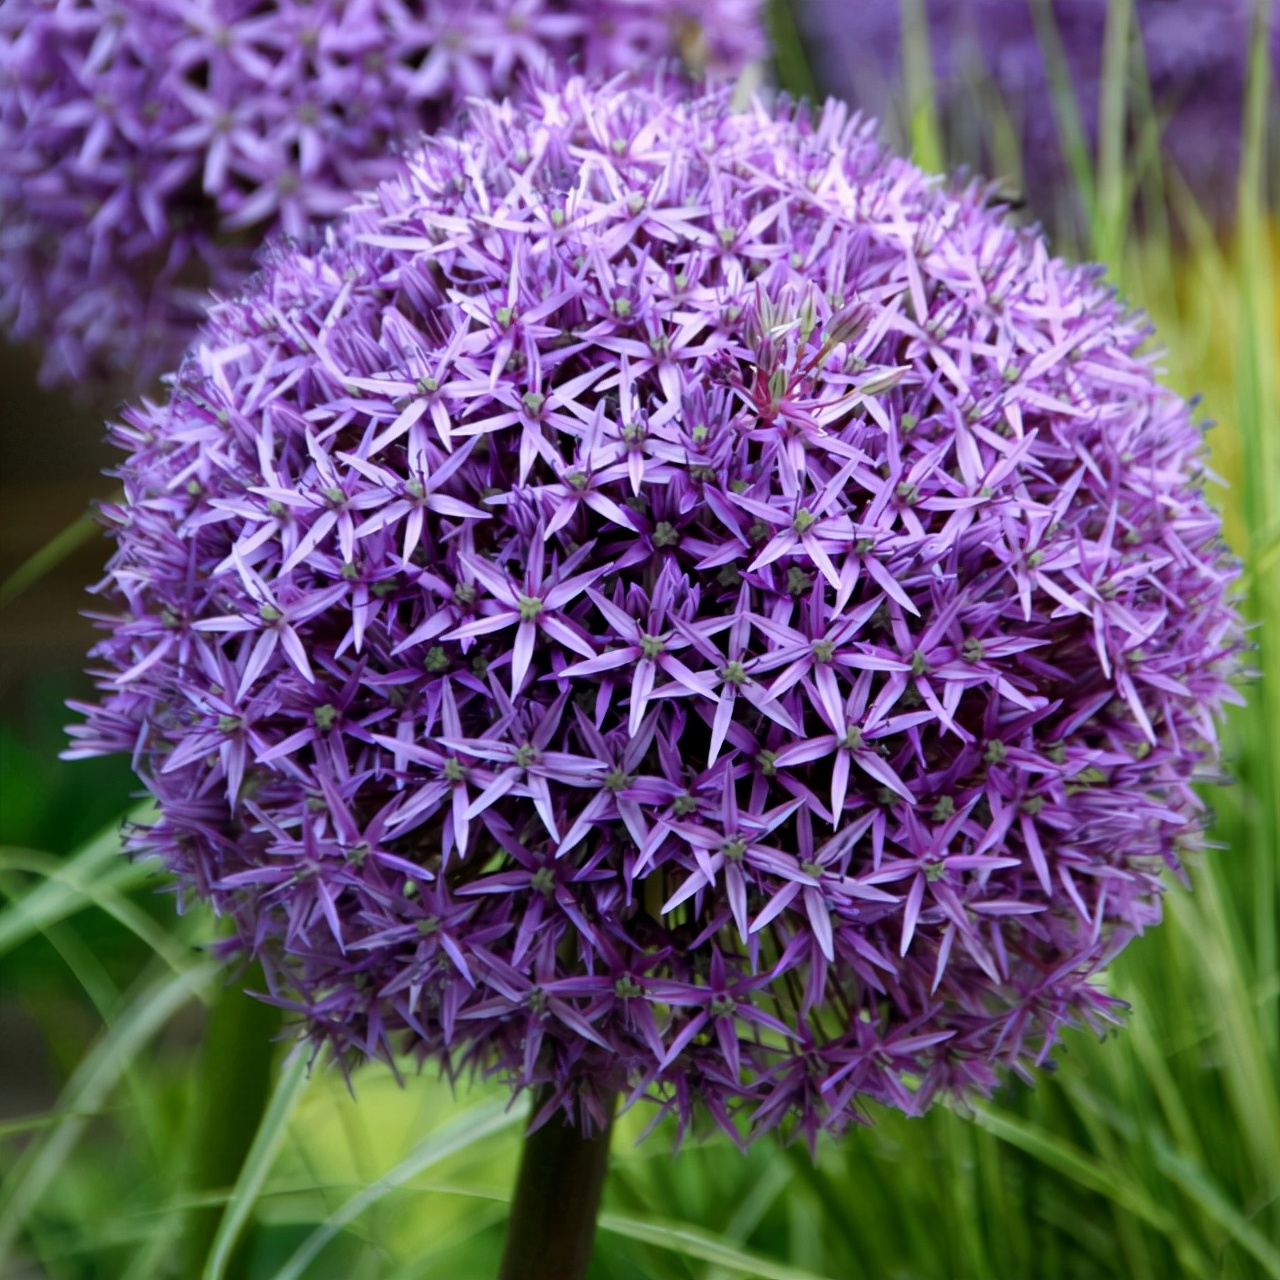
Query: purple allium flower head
(147,146)
(673,602)
(1194,53)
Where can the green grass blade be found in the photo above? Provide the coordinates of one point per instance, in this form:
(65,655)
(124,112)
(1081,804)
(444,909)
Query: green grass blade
(691,1242)
(788,51)
(1215,1205)
(918,84)
(21,1125)
(152,1259)
(756,1203)
(424,1264)
(827,1190)
(178,957)
(106,897)
(33,861)
(460,1133)
(229,1093)
(1249,1077)
(81,531)
(258,1163)
(1077,1165)
(1259,412)
(1112,199)
(87,1091)
(1066,107)
(71,888)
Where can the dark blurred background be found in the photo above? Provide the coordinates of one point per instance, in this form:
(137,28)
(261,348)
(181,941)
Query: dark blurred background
(52,455)
(53,452)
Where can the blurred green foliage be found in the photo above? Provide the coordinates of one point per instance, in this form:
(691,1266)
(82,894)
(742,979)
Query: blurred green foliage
(47,803)
(153,1128)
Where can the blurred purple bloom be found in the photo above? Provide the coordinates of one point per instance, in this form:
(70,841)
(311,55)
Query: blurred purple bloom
(148,146)
(674,602)
(1194,52)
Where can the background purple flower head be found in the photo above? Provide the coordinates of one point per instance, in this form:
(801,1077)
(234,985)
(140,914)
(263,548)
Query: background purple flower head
(1194,53)
(147,146)
(674,602)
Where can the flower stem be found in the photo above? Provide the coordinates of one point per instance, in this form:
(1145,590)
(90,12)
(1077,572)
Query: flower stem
(557,1196)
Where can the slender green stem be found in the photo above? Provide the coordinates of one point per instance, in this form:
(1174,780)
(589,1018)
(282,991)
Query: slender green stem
(81,531)
(1259,409)
(557,1197)
(1066,110)
(790,60)
(1110,215)
(235,1082)
(917,79)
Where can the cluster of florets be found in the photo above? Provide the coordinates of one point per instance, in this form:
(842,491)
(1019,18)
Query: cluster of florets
(147,146)
(1194,58)
(673,602)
